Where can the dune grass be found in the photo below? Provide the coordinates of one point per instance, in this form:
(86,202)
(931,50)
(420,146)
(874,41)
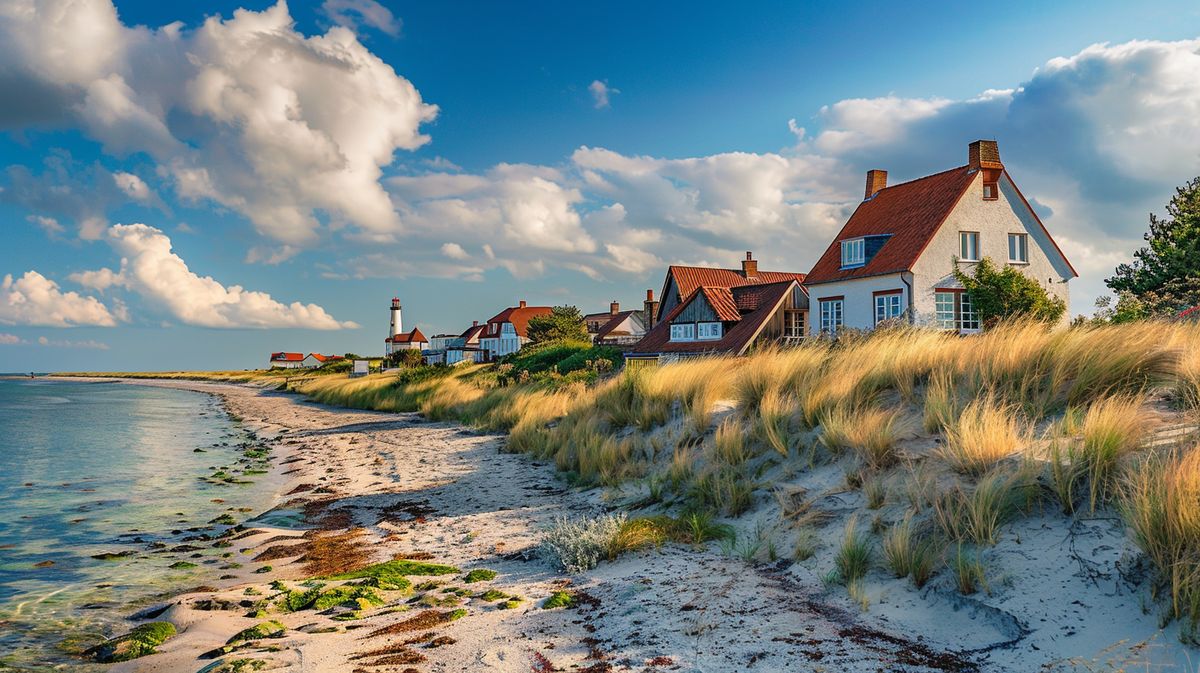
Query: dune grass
(909,553)
(855,556)
(984,433)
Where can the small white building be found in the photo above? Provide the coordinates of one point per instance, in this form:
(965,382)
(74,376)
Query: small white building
(507,331)
(895,258)
(465,348)
(283,360)
(314,360)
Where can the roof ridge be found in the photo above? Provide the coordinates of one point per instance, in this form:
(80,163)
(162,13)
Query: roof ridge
(923,177)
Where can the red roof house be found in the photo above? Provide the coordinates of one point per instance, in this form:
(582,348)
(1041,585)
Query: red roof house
(895,257)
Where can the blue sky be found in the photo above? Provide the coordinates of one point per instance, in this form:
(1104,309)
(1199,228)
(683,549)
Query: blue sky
(272,177)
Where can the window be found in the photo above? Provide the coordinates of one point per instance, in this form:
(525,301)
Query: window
(831,316)
(991,191)
(968,319)
(793,324)
(683,332)
(888,306)
(1018,248)
(709,330)
(968,243)
(953,311)
(853,253)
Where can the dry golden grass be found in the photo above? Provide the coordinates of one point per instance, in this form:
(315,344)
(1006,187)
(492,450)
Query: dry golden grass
(986,432)
(1161,504)
(1112,428)
(870,432)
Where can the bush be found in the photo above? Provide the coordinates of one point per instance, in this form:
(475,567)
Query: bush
(422,373)
(577,545)
(997,294)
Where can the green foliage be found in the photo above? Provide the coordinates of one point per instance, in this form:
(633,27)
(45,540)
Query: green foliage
(563,323)
(422,373)
(1160,271)
(479,575)
(139,642)
(392,575)
(558,599)
(271,629)
(335,367)
(1000,293)
(358,595)
(406,358)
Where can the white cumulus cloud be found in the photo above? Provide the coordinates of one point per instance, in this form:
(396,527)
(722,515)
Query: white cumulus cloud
(264,120)
(154,271)
(10,339)
(350,13)
(601,94)
(34,299)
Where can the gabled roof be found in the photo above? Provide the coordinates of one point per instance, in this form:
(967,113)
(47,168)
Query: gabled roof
(722,302)
(688,278)
(517,315)
(287,357)
(414,336)
(471,333)
(324,358)
(911,212)
(617,319)
(761,302)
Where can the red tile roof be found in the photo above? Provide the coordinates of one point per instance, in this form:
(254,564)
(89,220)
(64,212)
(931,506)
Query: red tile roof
(287,357)
(911,212)
(761,300)
(325,358)
(517,315)
(688,278)
(414,336)
(614,322)
(722,302)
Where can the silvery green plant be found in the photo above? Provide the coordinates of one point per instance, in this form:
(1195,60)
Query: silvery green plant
(577,545)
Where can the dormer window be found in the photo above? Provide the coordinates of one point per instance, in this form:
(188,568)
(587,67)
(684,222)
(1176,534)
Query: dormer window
(991,191)
(853,253)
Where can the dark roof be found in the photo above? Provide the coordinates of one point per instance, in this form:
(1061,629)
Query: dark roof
(614,322)
(287,357)
(911,212)
(688,278)
(760,302)
(471,333)
(517,315)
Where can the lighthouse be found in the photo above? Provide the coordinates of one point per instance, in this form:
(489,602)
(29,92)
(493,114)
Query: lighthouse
(397,324)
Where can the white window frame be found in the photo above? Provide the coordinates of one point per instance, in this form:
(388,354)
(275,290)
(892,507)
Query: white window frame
(832,316)
(794,324)
(709,331)
(685,331)
(888,306)
(1022,248)
(953,312)
(968,246)
(854,252)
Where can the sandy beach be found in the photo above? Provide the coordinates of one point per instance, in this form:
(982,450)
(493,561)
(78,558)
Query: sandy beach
(1068,596)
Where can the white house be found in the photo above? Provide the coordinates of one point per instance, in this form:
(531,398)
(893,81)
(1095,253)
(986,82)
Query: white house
(314,360)
(895,257)
(285,360)
(465,348)
(507,331)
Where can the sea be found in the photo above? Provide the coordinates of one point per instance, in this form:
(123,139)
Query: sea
(99,481)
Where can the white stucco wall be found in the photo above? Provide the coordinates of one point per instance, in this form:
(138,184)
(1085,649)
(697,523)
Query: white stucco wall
(859,304)
(994,220)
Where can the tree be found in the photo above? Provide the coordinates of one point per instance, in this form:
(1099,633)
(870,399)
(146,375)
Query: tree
(999,293)
(406,357)
(564,322)
(1165,275)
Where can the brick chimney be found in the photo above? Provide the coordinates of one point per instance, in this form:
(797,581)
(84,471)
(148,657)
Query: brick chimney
(650,308)
(750,266)
(984,154)
(876,180)
(521,304)
(614,307)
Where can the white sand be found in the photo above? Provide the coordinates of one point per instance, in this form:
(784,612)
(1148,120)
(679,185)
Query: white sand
(1057,592)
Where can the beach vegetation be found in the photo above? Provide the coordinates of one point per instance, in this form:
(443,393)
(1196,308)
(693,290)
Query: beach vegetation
(479,575)
(559,599)
(854,557)
(142,640)
(909,553)
(969,573)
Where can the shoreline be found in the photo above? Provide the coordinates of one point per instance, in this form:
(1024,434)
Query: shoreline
(446,492)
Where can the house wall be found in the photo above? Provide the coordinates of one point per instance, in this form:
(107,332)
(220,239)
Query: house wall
(697,311)
(287,365)
(994,220)
(858,303)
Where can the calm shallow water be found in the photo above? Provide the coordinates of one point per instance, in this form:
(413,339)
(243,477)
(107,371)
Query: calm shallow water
(92,468)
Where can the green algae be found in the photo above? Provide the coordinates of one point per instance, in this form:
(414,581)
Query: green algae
(393,575)
(558,599)
(479,575)
(139,642)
